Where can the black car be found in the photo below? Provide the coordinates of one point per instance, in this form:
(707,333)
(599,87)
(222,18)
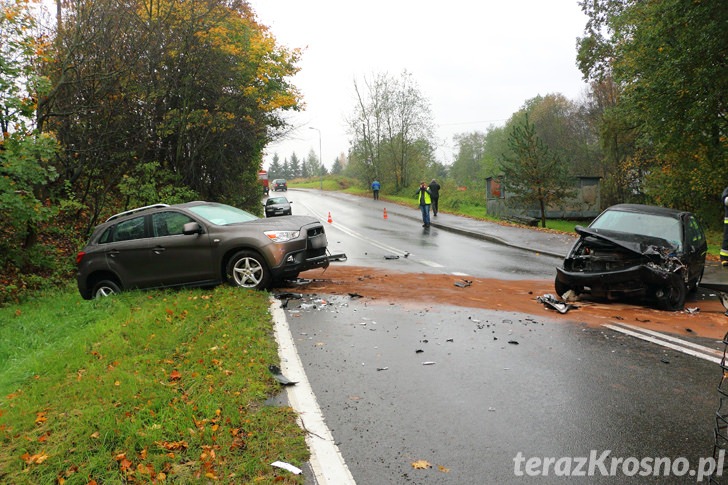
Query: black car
(277,206)
(638,251)
(197,244)
(280,184)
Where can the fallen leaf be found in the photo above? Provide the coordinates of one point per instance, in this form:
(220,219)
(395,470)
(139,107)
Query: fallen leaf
(443,469)
(421,465)
(175,375)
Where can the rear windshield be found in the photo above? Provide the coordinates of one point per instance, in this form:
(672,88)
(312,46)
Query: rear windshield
(222,215)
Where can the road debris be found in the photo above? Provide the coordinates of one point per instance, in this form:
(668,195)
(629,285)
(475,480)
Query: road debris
(287,466)
(382,368)
(463,283)
(283,380)
(391,256)
(429,362)
(550,300)
(692,310)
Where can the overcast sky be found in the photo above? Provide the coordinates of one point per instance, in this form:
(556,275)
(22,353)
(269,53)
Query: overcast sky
(477,62)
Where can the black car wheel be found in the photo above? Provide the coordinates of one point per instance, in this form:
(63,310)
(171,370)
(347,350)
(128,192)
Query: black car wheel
(248,270)
(105,288)
(672,298)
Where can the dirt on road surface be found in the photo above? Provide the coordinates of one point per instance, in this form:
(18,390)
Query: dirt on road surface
(385,287)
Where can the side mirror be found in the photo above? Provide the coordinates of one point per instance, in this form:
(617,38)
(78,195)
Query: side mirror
(191,228)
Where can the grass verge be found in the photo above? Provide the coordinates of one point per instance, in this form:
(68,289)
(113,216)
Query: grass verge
(143,387)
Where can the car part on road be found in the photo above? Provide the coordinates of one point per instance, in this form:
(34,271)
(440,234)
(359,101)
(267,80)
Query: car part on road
(550,301)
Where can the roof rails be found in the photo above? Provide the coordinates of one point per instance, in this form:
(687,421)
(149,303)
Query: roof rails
(138,209)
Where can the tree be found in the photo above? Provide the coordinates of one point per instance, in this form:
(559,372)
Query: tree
(26,154)
(392,131)
(534,175)
(670,62)
(197,87)
(468,167)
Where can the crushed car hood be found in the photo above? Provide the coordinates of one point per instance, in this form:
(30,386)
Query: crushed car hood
(646,246)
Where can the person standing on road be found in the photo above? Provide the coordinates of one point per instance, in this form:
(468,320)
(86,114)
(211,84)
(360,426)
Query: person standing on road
(435,195)
(424,199)
(724,246)
(375,189)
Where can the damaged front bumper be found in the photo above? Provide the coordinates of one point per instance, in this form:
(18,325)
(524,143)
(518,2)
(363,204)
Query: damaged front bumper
(636,280)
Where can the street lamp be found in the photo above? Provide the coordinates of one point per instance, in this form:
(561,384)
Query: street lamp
(321,160)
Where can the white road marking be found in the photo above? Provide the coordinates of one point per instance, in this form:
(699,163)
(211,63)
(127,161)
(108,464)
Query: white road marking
(329,467)
(667,341)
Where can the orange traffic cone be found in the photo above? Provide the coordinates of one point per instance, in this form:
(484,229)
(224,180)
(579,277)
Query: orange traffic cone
(385,212)
(329,219)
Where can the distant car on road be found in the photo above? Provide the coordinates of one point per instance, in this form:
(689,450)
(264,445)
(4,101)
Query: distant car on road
(280,184)
(197,244)
(638,251)
(277,206)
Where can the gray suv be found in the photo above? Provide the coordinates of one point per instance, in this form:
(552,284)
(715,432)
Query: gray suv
(197,244)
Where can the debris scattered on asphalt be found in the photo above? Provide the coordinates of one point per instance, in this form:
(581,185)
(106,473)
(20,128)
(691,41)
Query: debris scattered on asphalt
(354,295)
(449,340)
(419,351)
(287,466)
(391,256)
(551,301)
(406,254)
(289,296)
(492,410)
(570,296)
(463,283)
(382,368)
(276,371)
(665,360)
(513,342)
(642,320)
(692,310)
(428,362)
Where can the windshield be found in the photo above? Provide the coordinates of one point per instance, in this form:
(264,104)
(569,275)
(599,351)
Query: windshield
(649,225)
(221,214)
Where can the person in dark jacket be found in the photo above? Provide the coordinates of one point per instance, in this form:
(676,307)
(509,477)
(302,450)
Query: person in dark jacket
(424,199)
(435,196)
(375,189)
(724,246)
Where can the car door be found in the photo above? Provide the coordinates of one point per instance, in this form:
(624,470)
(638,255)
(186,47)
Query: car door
(178,258)
(127,253)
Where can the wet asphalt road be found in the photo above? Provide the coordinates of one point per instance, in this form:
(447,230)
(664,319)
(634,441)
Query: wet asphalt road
(501,383)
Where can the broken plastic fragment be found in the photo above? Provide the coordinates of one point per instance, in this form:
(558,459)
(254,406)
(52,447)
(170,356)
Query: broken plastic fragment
(692,310)
(276,371)
(382,368)
(550,300)
(428,362)
(391,256)
(463,283)
(287,466)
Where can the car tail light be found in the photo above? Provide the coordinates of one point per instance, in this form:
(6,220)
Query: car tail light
(79,257)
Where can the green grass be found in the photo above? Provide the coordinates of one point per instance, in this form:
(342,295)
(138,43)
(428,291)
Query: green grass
(142,387)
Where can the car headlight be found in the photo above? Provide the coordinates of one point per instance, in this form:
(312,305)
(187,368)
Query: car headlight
(282,236)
